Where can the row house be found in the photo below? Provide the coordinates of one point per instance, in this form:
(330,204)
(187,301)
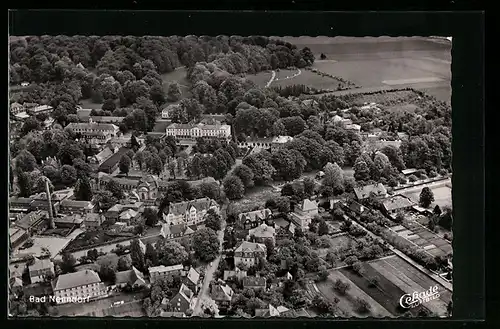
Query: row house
(192,132)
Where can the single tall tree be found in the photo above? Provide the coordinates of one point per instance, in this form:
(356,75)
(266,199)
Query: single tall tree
(125,164)
(426,197)
(137,255)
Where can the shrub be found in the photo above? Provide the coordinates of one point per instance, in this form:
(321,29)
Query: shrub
(372,282)
(358,268)
(362,305)
(432,174)
(412,178)
(341,287)
(424,176)
(443,172)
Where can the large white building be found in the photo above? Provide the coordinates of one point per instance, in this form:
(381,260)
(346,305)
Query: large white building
(98,133)
(79,286)
(191,132)
(190,212)
(249,253)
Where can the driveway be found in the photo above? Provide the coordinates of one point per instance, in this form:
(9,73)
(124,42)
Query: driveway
(204,293)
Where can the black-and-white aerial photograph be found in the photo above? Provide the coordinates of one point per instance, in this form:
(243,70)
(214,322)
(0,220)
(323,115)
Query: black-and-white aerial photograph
(230,176)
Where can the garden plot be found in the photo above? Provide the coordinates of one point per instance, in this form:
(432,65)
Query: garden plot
(347,302)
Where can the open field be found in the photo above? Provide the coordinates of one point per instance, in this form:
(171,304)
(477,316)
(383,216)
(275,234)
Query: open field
(161,126)
(442,196)
(417,62)
(407,278)
(347,302)
(385,292)
(260,79)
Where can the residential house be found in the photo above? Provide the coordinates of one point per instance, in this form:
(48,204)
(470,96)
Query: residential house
(254,218)
(159,272)
(364,192)
(303,214)
(355,208)
(128,216)
(222,294)
(254,282)
(115,211)
(146,189)
(82,284)
(237,273)
(262,233)
(191,279)
(177,231)
(167,111)
(190,212)
(396,203)
(280,140)
(95,133)
(41,269)
(132,277)
(192,132)
(93,220)
(183,300)
(68,221)
(249,253)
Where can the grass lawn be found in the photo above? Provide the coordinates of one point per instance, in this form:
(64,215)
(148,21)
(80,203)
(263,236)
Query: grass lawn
(442,196)
(260,79)
(88,104)
(347,302)
(161,126)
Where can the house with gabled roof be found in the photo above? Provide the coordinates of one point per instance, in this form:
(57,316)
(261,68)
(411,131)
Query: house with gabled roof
(190,212)
(254,218)
(249,253)
(222,294)
(132,277)
(262,233)
(397,203)
(364,192)
(184,300)
(303,214)
(191,279)
(40,269)
(268,312)
(76,206)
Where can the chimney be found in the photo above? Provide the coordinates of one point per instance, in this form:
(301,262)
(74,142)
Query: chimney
(49,200)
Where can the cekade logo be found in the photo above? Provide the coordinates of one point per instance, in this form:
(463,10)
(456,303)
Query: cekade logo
(417,298)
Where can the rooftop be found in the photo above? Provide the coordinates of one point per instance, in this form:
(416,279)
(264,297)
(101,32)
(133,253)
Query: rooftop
(70,219)
(180,208)
(282,139)
(254,215)
(397,202)
(129,276)
(197,126)
(262,231)
(76,279)
(92,126)
(163,269)
(77,204)
(246,246)
(308,205)
(363,192)
(254,281)
(193,276)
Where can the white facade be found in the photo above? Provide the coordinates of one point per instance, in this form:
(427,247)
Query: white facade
(185,131)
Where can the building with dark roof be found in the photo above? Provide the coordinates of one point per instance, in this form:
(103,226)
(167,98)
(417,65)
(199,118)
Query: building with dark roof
(222,294)
(191,279)
(96,133)
(254,218)
(249,253)
(160,272)
(183,300)
(132,277)
(35,221)
(68,221)
(190,212)
(397,203)
(19,204)
(111,164)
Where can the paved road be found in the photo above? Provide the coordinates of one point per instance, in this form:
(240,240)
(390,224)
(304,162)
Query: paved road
(273,76)
(204,293)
